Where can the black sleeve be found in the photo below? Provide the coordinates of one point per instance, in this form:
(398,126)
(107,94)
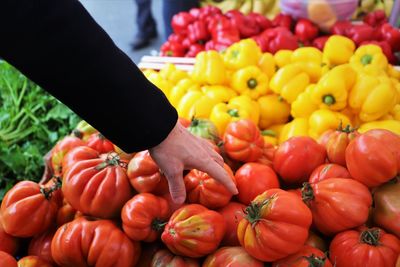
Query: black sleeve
(58,45)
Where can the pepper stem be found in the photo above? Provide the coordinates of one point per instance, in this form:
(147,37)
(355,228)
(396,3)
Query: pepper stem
(268,133)
(329,100)
(252,83)
(370,236)
(366,59)
(233,112)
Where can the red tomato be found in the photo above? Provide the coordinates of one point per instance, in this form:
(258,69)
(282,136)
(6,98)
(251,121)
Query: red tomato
(365,247)
(194,231)
(253,179)
(316,241)
(373,158)
(337,204)
(28,209)
(33,261)
(145,176)
(267,157)
(232,213)
(148,252)
(7,260)
(231,256)
(306,257)
(328,170)
(398,261)
(203,189)
(78,154)
(65,214)
(338,142)
(386,211)
(164,257)
(98,142)
(243,141)
(60,149)
(97,187)
(144,216)
(296,158)
(40,246)
(57,195)
(276,225)
(93,243)
(8,243)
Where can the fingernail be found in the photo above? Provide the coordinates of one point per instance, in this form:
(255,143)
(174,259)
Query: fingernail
(179,200)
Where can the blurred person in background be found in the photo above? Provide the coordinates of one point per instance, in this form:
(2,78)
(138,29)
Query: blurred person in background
(146,24)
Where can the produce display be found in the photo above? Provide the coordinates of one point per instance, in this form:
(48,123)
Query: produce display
(309,130)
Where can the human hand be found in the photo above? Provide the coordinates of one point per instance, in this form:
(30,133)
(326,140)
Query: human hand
(183,151)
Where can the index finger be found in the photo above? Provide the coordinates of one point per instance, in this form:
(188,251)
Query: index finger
(217,172)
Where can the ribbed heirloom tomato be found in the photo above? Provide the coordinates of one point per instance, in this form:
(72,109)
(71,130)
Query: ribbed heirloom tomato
(28,209)
(194,231)
(296,158)
(78,154)
(164,257)
(307,257)
(337,143)
(65,214)
(337,204)
(243,141)
(373,158)
(231,256)
(365,247)
(145,176)
(233,213)
(253,179)
(98,142)
(144,216)
(84,243)
(33,261)
(7,260)
(61,149)
(276,225)
(40,246)
(97,187)
(8,243)
(201,188)
(328,170)
(316,241)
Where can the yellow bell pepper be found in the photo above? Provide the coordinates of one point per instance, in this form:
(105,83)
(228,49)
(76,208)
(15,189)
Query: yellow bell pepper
(395,112)
(270,137)
(237,108)
(195,104)
(242,54)
(219,93)
(306,54)
(297,127)
(180,89)
(283,58)
(289,82)
(391,125)
(372,97)
(209,68)
(332,90)
(393,71)
(267,64)
(370,60)
(273,110)
(277,128)
(170,73)
(338,50)
(303,106)
(164,85)
(322,120)
(250,81)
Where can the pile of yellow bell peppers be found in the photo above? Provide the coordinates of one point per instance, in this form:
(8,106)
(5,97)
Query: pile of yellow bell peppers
(304,92)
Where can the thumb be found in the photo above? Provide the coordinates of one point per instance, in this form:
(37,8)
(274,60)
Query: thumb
(176,187)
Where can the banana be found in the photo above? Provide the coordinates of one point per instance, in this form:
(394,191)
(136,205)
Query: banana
(260,6)
(246,7)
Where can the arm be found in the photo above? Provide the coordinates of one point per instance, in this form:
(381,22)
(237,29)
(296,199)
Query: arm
(58,45)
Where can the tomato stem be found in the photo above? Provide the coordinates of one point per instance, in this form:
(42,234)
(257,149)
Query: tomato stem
(253,211)
(158,224)
(347,129)
(370,236)
(307,192)
(48,191)
(314,261)
(113,159)
(77,133)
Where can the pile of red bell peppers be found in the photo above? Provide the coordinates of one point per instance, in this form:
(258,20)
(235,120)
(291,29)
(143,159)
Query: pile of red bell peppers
(207,28)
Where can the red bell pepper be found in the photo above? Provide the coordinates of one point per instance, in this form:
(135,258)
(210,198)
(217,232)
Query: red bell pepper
(261,20)
(246,25)
(280,38)
(186,43)
(181,21)
(262,41)
(177,38)
(172,49)
(386,49)
(320,42)
(341,27)
(361,33)
(198,32)
(213,45)
(375,18)
(195,12)
(226,37)
(218,23)
(208,12)
(391,35)
(194,49)
(282,20)
(305,30)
